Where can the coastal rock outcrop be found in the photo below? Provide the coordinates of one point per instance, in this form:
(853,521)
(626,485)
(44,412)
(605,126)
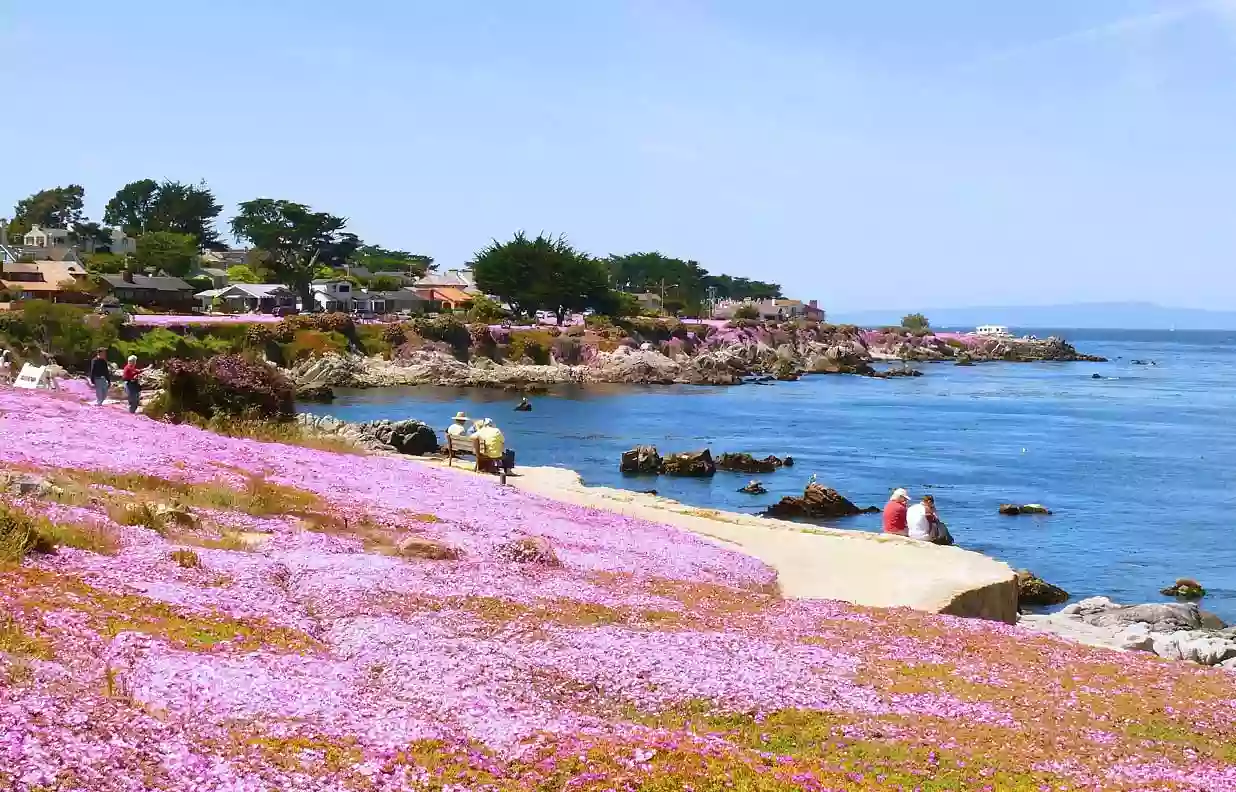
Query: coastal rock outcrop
(1175,631)
(689,463)
(754,488)
(1013,510)
(746,463)
(817,503)
(1185,588)
(641,460)
(1034,591)
(411,437)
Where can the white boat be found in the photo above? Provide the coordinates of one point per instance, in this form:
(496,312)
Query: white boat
(993,331)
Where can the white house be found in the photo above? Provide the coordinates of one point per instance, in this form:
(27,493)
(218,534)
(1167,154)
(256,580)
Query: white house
(332,295)
(40,237)
(247,297)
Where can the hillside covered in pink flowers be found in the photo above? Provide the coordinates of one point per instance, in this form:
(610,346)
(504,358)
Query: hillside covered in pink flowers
(184,611)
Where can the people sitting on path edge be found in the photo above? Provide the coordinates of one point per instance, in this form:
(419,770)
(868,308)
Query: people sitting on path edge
(459,425)
(132,387)
(895,513)
(924,523)
(524,405)
(493,446)
(100,375)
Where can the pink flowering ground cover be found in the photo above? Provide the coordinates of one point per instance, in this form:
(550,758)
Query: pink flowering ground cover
(172,320)
(224,614)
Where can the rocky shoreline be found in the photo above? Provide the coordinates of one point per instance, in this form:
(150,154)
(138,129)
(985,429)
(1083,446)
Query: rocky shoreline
(704,356)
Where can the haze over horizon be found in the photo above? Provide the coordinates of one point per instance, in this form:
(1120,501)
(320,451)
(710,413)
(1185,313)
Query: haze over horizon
(869,155)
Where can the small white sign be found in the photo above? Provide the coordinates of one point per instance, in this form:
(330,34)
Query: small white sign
(32,377)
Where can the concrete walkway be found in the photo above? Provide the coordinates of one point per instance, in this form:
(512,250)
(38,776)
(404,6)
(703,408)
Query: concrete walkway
(817,563)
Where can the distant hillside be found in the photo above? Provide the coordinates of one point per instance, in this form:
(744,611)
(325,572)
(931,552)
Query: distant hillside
(1116,316)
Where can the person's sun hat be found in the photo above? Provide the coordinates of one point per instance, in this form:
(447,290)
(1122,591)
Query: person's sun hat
(461,416)
(900,494)
(132,358)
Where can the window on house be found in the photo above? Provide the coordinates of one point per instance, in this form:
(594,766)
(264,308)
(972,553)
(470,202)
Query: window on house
(345,287)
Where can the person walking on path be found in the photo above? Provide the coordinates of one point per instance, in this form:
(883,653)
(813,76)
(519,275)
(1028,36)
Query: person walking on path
(132,385)
(100,375)
(895,513)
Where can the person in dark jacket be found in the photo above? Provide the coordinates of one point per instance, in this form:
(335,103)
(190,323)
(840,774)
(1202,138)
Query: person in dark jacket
(100,375)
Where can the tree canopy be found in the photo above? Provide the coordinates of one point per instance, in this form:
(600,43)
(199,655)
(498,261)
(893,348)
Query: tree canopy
(164,251)
(686,281)
(541,274)
(294,238)
(915,321)
(57,207)
(379,259)
(146,205)
(242,273)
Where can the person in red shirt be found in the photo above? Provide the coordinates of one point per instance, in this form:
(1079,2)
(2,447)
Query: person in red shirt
(132,387)
(895,513)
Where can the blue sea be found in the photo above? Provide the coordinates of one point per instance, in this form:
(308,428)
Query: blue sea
(1139,466)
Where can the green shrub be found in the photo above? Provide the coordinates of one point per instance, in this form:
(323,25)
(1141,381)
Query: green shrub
(307,344)
(69,333)
(447,329)
(485,310)
(230,385)
(532,344)
(746,312)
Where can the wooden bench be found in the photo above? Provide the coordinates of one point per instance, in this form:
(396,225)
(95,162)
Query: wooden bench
(457,445)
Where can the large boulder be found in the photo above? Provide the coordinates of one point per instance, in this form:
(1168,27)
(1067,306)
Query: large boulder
(745,463)
(1159,618)
(817,503)
(1033,590)
(641,460)
(410,437)
(689,463)
(1199,646)
(321,394)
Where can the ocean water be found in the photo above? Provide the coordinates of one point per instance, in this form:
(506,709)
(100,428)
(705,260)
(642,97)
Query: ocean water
(1139,467)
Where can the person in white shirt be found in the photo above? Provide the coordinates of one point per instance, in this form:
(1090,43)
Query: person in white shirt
(918,524)
(924,524)
(460,425)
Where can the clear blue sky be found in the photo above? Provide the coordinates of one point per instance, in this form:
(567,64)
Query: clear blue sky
(871,153)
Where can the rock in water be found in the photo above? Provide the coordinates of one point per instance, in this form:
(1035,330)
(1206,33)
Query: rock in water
(1012,510)
(315,393)
(1033,590)
(1185,588)
(641,460)
(745,463)
(754,488)
(689,463)
(817,503)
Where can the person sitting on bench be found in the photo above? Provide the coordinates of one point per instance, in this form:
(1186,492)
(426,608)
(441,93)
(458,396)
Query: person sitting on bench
(493,446)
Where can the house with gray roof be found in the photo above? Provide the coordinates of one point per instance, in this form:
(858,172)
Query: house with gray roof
(248,298)
(150,291)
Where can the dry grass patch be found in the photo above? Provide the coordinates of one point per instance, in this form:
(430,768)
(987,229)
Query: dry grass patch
(22,533)
(109,614)
(186,559)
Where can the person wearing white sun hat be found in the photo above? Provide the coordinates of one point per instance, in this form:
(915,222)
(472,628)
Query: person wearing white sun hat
(459,426)
(895,513)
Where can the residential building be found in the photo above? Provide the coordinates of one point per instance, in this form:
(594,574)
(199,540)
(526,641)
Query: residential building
(332,295)
(45,280)
(248,298)
(120,244)
(448,297)
(225,258)
(40,237)
(453,279)
(218,277)
(388,302)
(649,301)
(813,312)
(160,292)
